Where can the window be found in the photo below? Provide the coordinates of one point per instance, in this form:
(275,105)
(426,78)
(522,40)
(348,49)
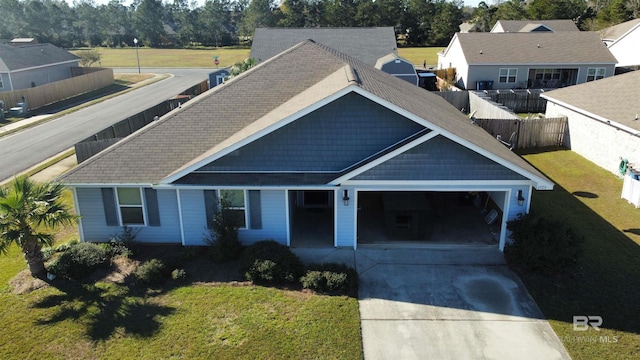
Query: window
(595,73)
(508,75)
(547,74)
(236,202)
(130,206)
(1,85)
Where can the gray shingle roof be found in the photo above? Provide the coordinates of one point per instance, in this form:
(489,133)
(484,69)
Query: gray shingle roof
(525,25)
(260,97)
(365,44)
(615,98)
(16,57)
(614,32)
(568,47)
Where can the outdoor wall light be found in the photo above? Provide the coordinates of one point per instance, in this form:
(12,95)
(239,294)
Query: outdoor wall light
(345,197)
(520,198)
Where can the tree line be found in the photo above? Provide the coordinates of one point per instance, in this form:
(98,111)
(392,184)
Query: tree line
(232,22)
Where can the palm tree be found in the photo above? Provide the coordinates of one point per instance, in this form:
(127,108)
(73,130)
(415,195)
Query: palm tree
(27,210)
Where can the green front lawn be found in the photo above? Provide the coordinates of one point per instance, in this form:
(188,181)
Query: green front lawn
(182,321)
(607,283)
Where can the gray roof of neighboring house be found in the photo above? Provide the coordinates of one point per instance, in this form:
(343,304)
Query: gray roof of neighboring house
(366,44)
(16,57)
(273,90)
(614,32)
(614,98)
(526,25)
(568,47)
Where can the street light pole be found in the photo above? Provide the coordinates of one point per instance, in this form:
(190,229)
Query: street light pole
(135,41)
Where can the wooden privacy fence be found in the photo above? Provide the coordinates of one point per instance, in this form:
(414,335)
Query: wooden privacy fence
(527,133)
(118,131)
(114,133)
(39,96)
(519,101)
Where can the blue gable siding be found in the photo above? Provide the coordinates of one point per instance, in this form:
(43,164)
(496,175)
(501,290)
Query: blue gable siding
(331,138)
(439,159)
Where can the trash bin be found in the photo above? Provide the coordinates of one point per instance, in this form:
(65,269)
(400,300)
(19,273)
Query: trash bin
(481,85)
(488,85)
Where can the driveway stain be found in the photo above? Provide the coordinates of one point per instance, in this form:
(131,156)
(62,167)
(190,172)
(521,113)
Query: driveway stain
(488,294)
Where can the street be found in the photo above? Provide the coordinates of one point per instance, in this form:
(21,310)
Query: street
(31,146)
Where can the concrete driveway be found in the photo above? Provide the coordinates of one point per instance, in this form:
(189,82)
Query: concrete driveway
(450,303)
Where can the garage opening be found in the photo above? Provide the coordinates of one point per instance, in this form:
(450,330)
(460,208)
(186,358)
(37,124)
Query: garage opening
(427,217)
(311,218)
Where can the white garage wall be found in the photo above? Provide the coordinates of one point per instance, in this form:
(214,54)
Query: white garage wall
(598,142)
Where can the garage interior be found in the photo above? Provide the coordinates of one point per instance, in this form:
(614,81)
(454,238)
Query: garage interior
(427,217)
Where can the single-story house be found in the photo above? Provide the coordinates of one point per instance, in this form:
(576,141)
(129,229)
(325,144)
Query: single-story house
(367,44)
(527,60)
(25,66)
(310,147)
(375,46)
(502,26)
(603,119)
(622,40)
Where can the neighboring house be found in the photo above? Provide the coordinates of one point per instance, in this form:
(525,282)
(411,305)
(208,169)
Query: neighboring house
(467,27)
(398,67)
(308,146)
(527,60)
(603,119)
(367,44)
(503,26)
(623,40)
(25,66)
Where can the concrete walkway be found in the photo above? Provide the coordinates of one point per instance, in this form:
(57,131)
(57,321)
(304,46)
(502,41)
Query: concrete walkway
(447,302)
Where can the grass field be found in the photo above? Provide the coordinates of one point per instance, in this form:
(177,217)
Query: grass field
(184,58)
(587,198)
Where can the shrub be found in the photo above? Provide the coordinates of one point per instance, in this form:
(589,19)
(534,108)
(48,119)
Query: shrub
(330,277)
(79,260)
(543,246)
(124,243)
(66,246)
(178,274)
(150,272)
(223,236)
(47,253)
(270,262)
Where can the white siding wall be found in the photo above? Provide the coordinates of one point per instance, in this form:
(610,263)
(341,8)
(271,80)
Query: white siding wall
(626,50)
(596,141)
(274,219)
(456,58)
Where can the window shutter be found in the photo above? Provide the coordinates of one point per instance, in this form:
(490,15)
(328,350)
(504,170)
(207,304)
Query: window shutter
(210,205)
(110,210)
(255,210)
(153,212)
